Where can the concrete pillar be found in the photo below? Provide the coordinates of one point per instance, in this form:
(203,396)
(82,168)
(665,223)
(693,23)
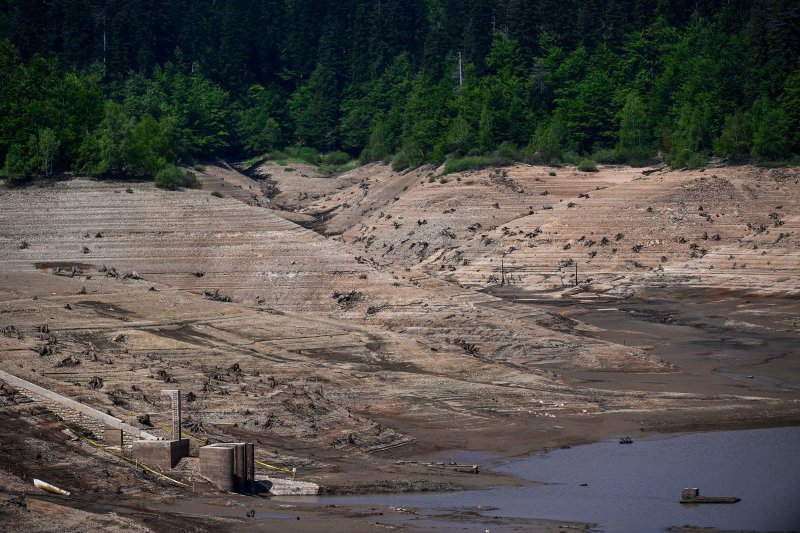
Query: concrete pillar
(238,467)
(175,395)
(216,465)
(162,454)
(251,467)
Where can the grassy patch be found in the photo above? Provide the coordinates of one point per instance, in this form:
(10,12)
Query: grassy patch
(172,178)
(587,165)
(461,164)
(336,159)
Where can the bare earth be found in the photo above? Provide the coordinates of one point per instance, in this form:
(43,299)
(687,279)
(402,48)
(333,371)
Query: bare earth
(378,316)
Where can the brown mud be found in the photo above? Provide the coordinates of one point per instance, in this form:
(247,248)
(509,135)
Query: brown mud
(418,317)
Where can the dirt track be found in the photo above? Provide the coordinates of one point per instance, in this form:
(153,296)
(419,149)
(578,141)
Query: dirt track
(340,354)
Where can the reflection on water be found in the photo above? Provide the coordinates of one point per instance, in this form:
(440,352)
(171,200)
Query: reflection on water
(637,487)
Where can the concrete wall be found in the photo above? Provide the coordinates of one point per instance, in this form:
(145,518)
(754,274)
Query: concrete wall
(113,437)
(229,466)
(163,454)
(216,465)
(84,410)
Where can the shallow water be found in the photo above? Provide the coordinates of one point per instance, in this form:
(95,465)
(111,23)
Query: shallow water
(636,487)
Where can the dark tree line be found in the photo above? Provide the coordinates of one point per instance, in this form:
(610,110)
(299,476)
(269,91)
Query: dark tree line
(130,86)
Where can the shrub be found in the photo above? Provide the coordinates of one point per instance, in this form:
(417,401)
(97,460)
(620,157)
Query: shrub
(461,164)
(276,155)
(336,158)
(171,178)
(19,164)
(288,169)
(587,165)
(401,161)
(304,153)
(199,167)
(509,150)
(216,194)
(607,156)
(687,159)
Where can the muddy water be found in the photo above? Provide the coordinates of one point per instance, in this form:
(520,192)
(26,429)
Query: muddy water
(636,487)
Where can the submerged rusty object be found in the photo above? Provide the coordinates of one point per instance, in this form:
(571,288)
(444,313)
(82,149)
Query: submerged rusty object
(692,495)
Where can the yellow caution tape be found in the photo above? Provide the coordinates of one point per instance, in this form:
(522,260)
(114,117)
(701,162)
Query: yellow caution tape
(198,439)
(125,458)
(273,467)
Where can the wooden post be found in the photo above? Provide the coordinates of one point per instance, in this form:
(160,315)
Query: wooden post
(576,273)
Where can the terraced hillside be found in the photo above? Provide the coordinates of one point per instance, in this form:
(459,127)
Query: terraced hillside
(376,334)
(531,226)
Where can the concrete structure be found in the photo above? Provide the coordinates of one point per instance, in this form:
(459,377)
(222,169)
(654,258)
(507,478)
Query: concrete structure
(229,466)
(40,393)
(288,487)
(162,454)
(113,437)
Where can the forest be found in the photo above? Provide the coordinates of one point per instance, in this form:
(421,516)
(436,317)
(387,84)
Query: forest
(131,88)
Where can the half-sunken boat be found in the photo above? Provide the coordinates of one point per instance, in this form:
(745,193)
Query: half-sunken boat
(693,496)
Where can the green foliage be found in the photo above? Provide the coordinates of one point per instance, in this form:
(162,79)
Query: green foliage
(550,141)
(770,131)
(585,98)
(608,156)
(172,178)
(462,164)
(37,156)
(314,111)
(425,119)
(121,145)
(624,81)
(790,107)
(19,163)
(401,161)
(587,165)
(259,130)
(634,131)
(216,194)
(336,158)
(736,137)
(305,154)
(688,159)
(47,150)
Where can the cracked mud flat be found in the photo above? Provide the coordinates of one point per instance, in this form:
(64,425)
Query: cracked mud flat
(418,317)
